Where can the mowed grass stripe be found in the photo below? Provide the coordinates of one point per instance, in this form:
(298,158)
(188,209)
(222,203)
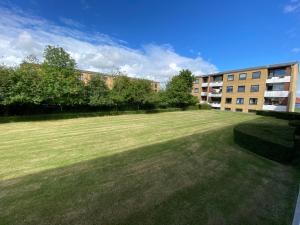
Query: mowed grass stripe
(202,178)
(58,143)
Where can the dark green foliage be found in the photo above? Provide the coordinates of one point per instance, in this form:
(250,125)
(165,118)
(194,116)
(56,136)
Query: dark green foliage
(133,92)
(34,88)
(271,138)
(178,90)
(98,92)
(205,106)
(280,115)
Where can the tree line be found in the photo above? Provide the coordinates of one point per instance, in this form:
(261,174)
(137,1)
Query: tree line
(55,84)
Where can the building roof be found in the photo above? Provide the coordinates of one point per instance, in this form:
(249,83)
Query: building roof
(251,68)
(112,75)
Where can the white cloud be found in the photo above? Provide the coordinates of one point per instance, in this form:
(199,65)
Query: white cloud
(22,34)
(294,5)
(296,50)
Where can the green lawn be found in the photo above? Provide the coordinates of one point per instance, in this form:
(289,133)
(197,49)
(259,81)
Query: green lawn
(165,168)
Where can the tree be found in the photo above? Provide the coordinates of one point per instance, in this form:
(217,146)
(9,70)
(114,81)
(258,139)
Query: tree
(5,84)
(178,90)
(142,93)
(58,58)
(97,92)
(121,92)
(61,83)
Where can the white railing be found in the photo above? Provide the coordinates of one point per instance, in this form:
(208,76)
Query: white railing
(215,94)
(274,94)
(216,84)
(203,94)
(279,108)
(215,105)
(284,79)
(204,84)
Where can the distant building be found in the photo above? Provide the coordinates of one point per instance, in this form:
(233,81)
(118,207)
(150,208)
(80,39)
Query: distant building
(270,87)
(109,79)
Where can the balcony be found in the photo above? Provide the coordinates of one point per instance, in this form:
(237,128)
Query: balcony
(279,108)
(216,84)
(203,94)
(204,85)
(215,105)
(276,94)
(284,79)
(215,94)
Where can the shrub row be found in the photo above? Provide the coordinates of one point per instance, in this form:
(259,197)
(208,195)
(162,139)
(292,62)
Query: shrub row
(267,144)
(280,115)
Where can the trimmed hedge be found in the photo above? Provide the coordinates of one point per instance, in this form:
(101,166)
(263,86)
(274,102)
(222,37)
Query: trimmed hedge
(24,118)
(205,106)
(267,138)
(280,115)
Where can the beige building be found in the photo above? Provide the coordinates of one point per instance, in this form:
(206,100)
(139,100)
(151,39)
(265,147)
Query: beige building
(270,87)
(109,79)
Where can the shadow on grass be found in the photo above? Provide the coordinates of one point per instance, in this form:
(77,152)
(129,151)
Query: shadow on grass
(199,179)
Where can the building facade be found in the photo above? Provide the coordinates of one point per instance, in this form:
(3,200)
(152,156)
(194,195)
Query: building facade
(109,79)
(270,87)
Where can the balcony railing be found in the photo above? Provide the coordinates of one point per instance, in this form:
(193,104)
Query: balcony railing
(215,104)
(215,94)
(284,79)
(204,84)
(274,94)
(216,84)
(203,93)
(279,108)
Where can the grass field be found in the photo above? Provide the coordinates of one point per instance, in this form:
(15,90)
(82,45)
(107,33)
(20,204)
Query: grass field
(166,168)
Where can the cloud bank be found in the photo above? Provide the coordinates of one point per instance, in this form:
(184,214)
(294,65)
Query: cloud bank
(22,34)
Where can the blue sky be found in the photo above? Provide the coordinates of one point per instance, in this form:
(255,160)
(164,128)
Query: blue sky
(154,39)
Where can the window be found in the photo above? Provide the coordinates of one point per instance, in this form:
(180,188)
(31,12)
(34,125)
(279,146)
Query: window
(252,101)
(240,101)
(256,75)
(278,87)
(230,77)
(229,89)
(227,109)
(251,111)
(239,110)
(243,76)
(254,88)
(241,88)
(228,100)
(281,72)
(196,90)
(205,79)
(197,81)
(218,78)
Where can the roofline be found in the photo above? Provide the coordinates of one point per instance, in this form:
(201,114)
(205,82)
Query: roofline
(250,68)
(111,75)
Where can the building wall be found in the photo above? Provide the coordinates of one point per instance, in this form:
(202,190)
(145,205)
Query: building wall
(292,70)
(293,87)
(247,94)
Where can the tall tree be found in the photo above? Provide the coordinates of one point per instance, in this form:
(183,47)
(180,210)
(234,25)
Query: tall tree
(178,90)
(61,83)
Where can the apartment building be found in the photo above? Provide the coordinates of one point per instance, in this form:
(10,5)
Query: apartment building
(270,87)
(109,79)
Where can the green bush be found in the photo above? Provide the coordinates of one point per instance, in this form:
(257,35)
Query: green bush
(204,106)
(271,138)
(280,115)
